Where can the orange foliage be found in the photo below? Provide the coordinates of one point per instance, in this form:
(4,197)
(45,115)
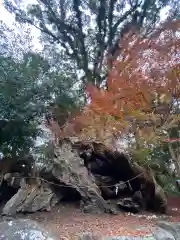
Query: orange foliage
(146,68)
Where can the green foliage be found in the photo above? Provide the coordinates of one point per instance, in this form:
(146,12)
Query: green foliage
(19,103)
(168,183)
(28,88)
(141,156)
(31,85)
(161,153)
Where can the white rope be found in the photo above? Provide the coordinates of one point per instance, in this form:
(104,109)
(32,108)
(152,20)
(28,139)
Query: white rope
(62,185)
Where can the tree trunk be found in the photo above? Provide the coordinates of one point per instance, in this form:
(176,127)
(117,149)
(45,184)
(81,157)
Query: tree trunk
(176,160)
(136,134)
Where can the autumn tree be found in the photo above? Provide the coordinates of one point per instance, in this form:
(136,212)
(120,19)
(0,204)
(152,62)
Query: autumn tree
(143,89)
(84,32)
(142,95)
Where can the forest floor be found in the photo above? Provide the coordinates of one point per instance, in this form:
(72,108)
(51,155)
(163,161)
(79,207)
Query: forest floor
(66,221)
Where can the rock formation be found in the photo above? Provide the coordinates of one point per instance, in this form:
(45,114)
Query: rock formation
(118,167)
(91,174)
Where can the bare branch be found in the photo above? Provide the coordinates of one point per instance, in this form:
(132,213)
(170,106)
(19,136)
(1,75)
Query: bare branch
(100,38)
(110,21)
(123,18)
(81,37)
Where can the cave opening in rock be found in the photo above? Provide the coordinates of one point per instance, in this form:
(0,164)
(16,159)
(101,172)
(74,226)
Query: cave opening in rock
(64,192)
(68,194)
(6,192)
(109,168)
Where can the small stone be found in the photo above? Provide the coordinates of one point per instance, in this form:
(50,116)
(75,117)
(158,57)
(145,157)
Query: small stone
(88,236)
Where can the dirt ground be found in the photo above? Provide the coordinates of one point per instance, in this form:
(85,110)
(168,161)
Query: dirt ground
(66,221)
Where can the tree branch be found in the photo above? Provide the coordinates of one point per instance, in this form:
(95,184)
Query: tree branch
(81,38)
(113,50)
(73,36)
(100,38)
(144,11)
(123,18)
(68,35)
(110,21)
(63,13)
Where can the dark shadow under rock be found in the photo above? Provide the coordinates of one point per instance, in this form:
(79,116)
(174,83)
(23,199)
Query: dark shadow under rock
(107,186)
(103,161)
(128,205)
(6,192)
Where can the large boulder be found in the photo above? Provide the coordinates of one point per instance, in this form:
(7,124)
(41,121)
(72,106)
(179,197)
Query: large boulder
(24,230)
(68,179)
(31,198)
(68,169)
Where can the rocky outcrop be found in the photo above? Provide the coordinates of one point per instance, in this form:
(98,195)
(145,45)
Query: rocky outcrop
(69,170)
(30,199)
(119,168)
(70,180)
(91,174)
